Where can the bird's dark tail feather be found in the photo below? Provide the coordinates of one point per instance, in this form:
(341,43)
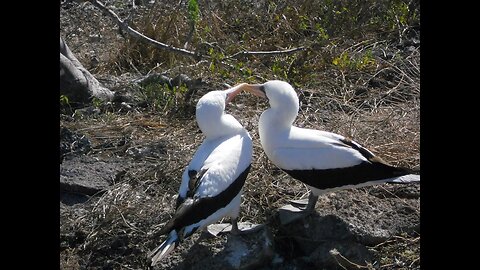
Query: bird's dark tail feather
(408,178)
(404,175)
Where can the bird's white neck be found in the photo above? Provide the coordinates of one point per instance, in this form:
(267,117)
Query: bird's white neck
(274,124)
(226,125)
(280,116)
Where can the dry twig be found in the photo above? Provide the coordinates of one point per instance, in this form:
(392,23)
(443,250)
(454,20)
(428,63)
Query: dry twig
(288,51)
(346,263)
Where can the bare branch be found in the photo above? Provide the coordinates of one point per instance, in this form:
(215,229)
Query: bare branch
(134,33)
(288,51)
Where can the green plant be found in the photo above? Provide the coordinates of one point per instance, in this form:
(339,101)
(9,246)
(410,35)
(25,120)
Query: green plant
(193,11)
(346,61)
(65,105)
(279,70)
(397,15)
(64,101)
(162,97)
(303,22)
(322,32)
(215,58)
(367,60)
(97,103)
(342,61)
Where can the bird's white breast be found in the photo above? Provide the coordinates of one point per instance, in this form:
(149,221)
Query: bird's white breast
(224,159)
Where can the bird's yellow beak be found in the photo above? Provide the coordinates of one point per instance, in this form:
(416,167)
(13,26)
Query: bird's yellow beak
(234,91)
(256,89)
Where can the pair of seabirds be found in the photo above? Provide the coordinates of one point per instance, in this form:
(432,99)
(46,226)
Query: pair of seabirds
(212,183)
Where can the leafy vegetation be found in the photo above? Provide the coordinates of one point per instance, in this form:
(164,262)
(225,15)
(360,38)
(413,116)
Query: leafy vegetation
(349,37)
(162,97)
(64,101)
(262,25)
(345,61)
(193,11)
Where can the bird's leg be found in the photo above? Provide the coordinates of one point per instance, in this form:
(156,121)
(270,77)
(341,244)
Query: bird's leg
(235,230)
(312,200)
(291,213)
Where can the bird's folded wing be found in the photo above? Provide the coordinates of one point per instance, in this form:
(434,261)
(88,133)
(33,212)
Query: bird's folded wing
(200,207)
(324,157)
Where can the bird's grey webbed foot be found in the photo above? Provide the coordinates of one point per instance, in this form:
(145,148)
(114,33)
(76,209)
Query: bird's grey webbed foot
(298,209)
(245,228)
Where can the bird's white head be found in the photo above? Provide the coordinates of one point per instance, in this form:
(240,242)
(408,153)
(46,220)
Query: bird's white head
(210,113)
(279,93)
(281,96)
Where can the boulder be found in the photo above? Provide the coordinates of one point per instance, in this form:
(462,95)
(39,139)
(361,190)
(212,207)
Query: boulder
(87,175)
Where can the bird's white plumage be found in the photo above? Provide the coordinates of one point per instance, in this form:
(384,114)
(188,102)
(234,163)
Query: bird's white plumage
(293,148)
(226,151)
(307,149)
(224,154)
(222,157)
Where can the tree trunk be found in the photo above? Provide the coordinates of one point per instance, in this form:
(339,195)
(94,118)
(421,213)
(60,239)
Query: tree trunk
(76,82)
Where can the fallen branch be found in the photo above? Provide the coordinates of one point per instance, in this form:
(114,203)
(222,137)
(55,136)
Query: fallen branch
(76,82)
(134,33)
(242,53)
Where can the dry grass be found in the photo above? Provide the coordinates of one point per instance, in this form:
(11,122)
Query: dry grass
(405,250)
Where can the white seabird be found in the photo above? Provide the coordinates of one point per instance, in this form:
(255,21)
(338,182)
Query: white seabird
(324,161)
(212,183)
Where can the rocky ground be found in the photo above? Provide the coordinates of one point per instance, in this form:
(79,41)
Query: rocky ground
(121,162)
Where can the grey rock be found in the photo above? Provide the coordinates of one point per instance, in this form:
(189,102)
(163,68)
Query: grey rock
(312,238)
(344,225)
(247,251)
(87,175)
(391,213)
(251,250)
